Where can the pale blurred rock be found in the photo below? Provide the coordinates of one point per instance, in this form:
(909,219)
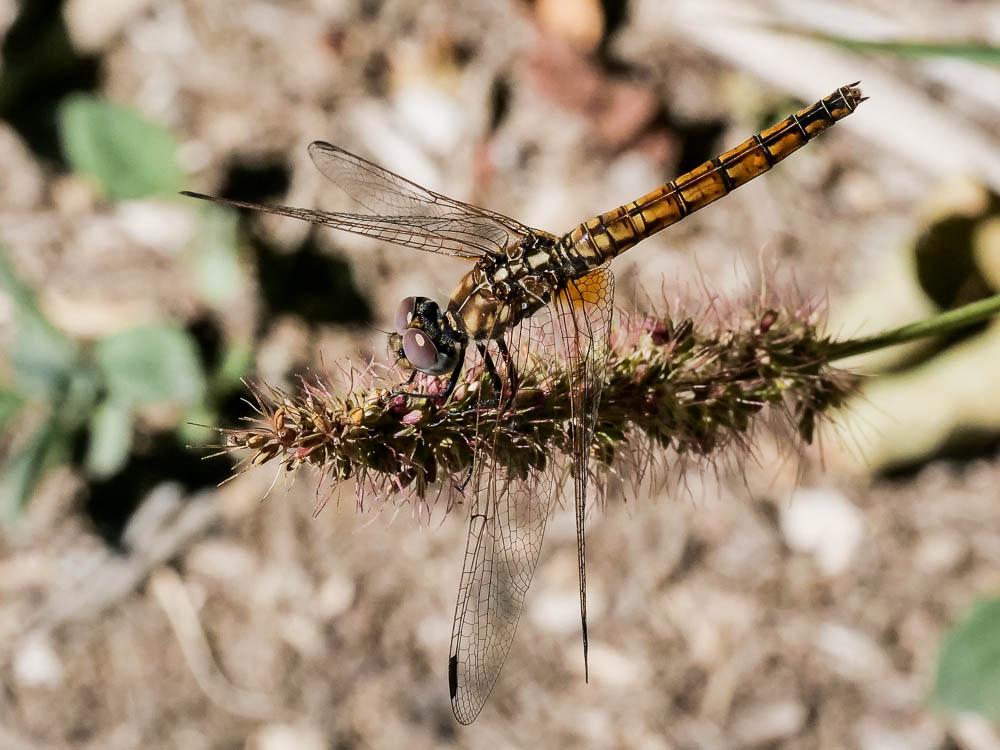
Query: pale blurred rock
(431,114)
(852,653)
(973,732)
(287,737)
(556,612)
(36,663)
(163,225)
(335,596)
(304,635)
(876,734)
(222,560)
(713,622)
(94,23)
(764,723)
(823,523)
(940,552)
(613,667)
(375,126)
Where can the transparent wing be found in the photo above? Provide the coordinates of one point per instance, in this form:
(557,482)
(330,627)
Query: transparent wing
(505,539)
(512,504)
(398,211)
(385,194)
(512,490)
(583,335)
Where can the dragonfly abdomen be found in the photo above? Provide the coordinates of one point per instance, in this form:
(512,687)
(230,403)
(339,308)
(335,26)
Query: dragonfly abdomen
(598,240)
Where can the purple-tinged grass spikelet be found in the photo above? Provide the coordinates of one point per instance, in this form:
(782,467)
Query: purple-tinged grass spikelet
(673,386)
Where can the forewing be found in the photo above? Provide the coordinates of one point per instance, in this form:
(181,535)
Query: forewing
(387,195)
(399,211)
(418,232)
(583,335)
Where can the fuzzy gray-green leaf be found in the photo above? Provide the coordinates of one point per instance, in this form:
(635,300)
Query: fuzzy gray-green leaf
(151,364)
(110,438)
(41,356)
(968,671)
(21,473)
(126,154)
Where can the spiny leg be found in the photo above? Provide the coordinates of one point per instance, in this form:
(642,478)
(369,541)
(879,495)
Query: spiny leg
(400,390)
(513,377)
(491,370)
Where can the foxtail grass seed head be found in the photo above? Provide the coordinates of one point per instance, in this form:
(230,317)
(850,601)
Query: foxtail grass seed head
(694,389)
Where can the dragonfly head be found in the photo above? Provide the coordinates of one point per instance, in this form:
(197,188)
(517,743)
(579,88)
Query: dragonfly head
(425,339)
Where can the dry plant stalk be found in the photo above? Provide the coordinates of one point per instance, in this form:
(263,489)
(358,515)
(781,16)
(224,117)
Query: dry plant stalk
(672,385)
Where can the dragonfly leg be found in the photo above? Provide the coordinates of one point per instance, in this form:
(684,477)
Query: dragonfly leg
(491,370)
(512,375)
(400,390)
(460,486)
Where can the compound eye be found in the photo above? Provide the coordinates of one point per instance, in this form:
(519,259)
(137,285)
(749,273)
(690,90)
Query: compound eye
(404,314)
(421,351)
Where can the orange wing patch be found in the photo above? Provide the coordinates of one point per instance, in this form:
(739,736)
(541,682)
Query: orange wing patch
(596,288)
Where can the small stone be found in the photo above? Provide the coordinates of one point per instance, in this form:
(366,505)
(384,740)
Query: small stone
(287,737)
(221,560)
(825,524)
(614,668)
(36,663)
(873,734)
(157,224)
(851,653)
(766,723)
(432,115)
(940,552)
(972,732)
(556,612)
(335,596)
(94,23)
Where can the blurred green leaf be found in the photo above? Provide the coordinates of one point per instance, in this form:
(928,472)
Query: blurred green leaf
(968,670)
(971,51)
(42,358)
(215,255)
(77,400)
(110,439)
(151,364)
(22,471)
(41,355)
(129,156)
(10,403)
(978,53)
(194,430)
(235,364)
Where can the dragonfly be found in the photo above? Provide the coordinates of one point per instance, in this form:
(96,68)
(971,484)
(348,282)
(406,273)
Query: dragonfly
(527,288)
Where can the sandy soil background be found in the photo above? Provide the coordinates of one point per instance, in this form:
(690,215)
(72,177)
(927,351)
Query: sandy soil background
(798,603)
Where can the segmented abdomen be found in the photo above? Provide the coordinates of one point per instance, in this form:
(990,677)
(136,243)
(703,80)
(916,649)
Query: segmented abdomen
(614,232)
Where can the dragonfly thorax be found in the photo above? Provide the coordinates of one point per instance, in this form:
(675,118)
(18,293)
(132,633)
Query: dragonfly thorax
(503,290)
